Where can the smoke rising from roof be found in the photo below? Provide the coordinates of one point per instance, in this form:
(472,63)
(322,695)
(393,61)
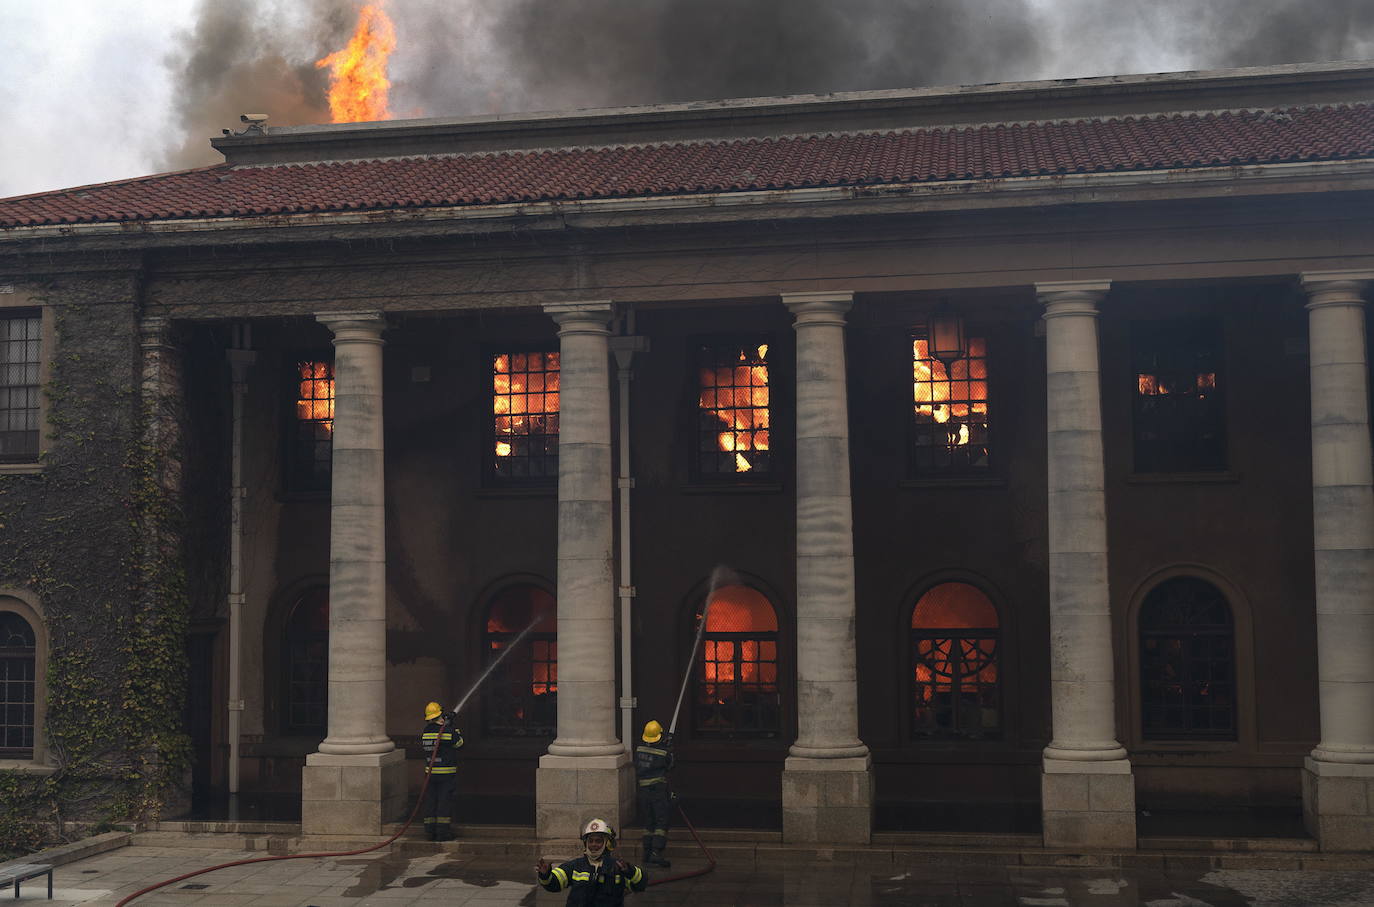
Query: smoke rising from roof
(465,57)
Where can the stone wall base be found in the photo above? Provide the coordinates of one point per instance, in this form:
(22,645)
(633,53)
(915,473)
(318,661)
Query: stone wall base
(570,790)
(827,800)
(352,794)
(1338,804)
(1088,805)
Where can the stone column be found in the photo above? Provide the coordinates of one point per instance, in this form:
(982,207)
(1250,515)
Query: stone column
(1338,777)
(586,773)
(827,784)
(357,779)
(1087,791)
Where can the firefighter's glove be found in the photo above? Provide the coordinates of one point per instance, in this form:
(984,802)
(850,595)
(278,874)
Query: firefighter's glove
(672,798)
(544,868)
(622,866)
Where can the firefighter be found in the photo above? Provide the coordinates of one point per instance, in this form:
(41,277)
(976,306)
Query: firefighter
(598,877)
(443,736)
(653,761)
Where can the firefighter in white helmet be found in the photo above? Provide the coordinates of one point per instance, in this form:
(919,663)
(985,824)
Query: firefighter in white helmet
(597,877)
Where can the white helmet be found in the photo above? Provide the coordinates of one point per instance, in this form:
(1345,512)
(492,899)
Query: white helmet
(600,827)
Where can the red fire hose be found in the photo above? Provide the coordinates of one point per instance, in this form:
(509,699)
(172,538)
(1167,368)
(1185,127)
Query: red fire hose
(710,860)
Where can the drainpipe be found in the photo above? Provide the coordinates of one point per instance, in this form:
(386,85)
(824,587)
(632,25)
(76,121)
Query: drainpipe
(241,357)
(624,347)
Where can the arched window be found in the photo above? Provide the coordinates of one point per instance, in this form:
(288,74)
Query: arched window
(737,679)
(1187,662)
(18,685)
(954,656)
(522,699)
(307,664)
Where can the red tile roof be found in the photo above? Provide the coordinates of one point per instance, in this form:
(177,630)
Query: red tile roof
(1167,142)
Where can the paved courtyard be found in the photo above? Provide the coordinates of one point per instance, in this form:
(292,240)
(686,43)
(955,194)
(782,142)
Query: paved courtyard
(493,880)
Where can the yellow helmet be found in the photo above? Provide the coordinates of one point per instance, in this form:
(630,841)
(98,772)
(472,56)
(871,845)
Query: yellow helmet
(433,710)
(602,827)
(653,732)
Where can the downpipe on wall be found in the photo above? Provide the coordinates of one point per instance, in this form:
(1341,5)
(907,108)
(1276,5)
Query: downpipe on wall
(624,346)
(241,358)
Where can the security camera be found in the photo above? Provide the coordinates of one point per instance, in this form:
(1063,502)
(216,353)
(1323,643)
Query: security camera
(256,118)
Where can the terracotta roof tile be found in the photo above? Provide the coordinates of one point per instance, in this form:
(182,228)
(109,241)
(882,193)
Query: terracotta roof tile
(1163,142)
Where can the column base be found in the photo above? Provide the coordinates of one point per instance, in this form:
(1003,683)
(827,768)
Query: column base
(1088,805)
(827,800)
(570,790)
(1338,804)
(352,794)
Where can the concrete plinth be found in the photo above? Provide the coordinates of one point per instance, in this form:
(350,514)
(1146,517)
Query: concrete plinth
(569,790)
(1088,805)
(827,800)
(1338,804)
(352,794)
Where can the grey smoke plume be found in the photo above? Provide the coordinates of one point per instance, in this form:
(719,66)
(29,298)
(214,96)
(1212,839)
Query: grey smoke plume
(465,57)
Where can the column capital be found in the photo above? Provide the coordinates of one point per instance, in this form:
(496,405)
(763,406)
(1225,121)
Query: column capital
(1325,288)
(1071,297)
(357,327)
(155,332)
(580,317)
(823,307)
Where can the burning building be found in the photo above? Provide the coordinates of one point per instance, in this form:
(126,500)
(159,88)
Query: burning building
(1031,418)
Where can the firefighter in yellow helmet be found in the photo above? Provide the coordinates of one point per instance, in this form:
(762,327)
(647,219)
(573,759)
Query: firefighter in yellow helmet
(653,761)
(440,742)
(598,877)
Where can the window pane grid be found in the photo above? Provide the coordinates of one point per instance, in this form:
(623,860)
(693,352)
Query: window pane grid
(1187,663)
(313,441)
(733,410)
(956,683)
(307,665)
(20,359)
(950,420)
(18,684)
(525,391)
(1177,407)
(737,686)
(523,701)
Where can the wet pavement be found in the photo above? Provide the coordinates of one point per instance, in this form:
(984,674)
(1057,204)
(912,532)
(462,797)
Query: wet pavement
(457,880)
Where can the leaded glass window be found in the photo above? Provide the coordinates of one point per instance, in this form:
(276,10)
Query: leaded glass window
(307,664)
(18,660)
(1179,419)
(737,691)
(1187,662)
(312,440)
(20,363)
(521,700)
(955,640)
(524,409)
(950,423)
(734,410)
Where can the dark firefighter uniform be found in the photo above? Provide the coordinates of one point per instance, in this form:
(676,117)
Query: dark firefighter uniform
(653,761)
(442,735)
(588,883)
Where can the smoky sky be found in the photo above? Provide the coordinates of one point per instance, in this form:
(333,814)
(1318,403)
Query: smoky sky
(467,57)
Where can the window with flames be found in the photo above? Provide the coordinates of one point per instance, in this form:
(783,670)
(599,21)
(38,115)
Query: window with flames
(522,699)
(1187,662)
(18,683)
(525,416)
(20,362)
(950,423)
(310,461)
(1179,419)
(954,653)
(307,664)
(737,692)
(733,410)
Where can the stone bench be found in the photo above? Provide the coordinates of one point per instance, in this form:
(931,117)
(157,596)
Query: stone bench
(19,872)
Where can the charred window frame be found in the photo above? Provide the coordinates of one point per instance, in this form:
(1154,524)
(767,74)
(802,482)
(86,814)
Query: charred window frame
(1187,662)
(950,425)
(1178,404)
(956,664)
(18,686)
(21,363)
(734,409)
(522,698)
(523,429)
(309,456)
(306,665)
(738,688)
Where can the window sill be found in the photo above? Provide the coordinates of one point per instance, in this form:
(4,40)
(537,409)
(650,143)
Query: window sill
(518,491)
(732,488)
(20,469)
(1183,478)
(955,482)
(27,766)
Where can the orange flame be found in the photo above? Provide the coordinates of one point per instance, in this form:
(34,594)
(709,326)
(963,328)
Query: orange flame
(738,396)
(358,84)
(934,386)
